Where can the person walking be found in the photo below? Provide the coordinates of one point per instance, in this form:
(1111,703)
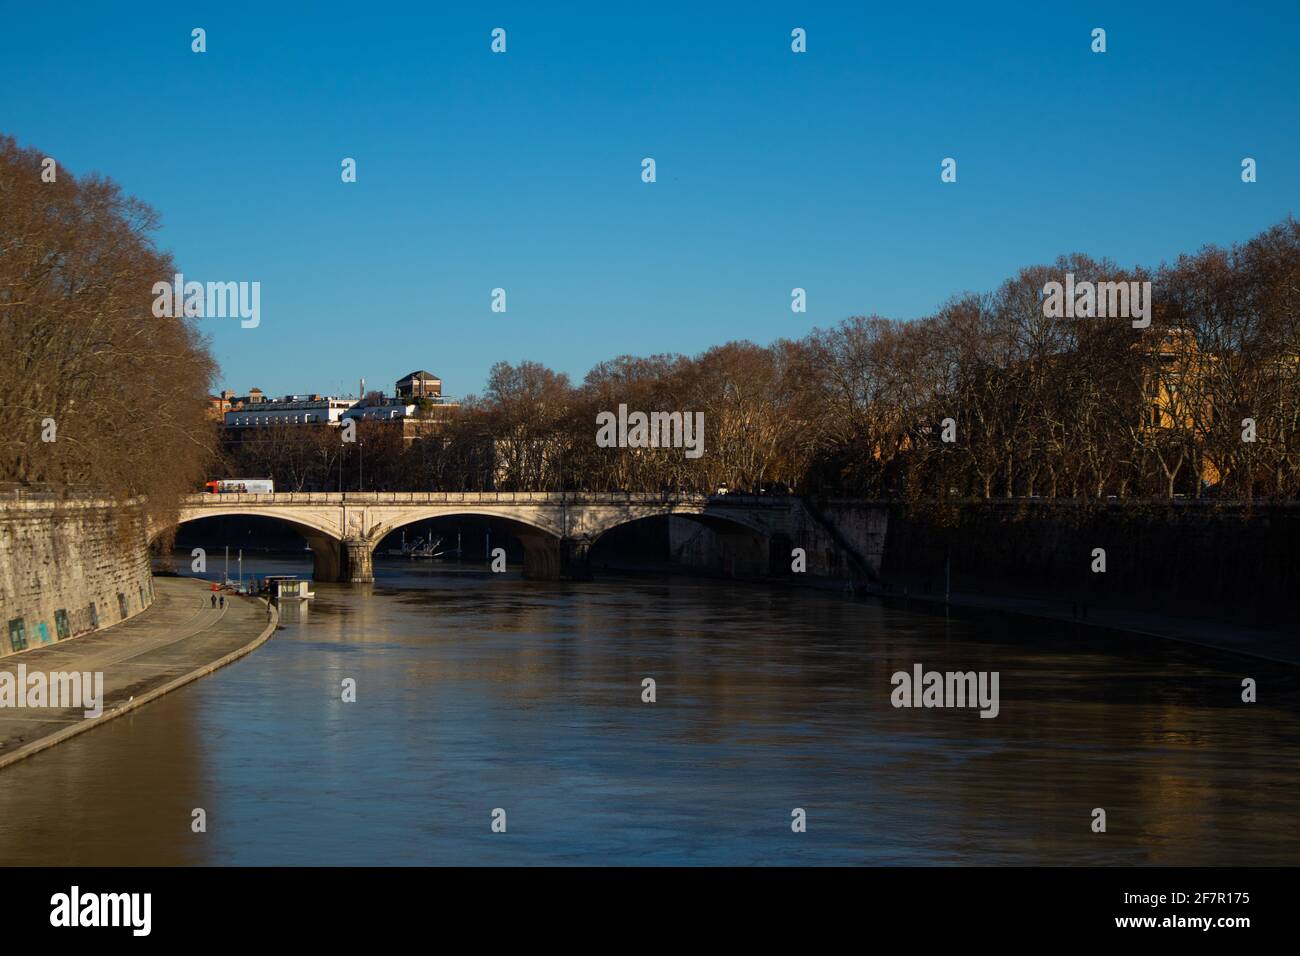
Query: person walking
(223,602)
(214,600)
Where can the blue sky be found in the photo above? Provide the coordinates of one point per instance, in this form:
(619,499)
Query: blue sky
(522,170)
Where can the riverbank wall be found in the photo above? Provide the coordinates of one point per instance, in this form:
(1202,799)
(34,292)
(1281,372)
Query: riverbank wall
(1229,560)
(69,566)
(1221,559)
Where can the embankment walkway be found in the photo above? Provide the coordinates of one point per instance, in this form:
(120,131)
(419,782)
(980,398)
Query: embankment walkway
(180,638)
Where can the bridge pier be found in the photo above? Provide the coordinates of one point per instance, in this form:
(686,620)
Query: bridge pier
(328,558)
(358,561)
(575,559)
(547,558)
(541,555)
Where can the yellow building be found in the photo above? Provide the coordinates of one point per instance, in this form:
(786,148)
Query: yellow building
(1175,396)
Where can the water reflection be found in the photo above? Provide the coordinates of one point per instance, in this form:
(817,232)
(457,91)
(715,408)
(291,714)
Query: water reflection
(477,691)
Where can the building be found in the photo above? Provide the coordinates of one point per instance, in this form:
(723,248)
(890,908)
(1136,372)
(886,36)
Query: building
(1173,388)
(218,405)
(380,409)
(290,410)
(418,405)
(1177,397)
(419,385)
(228,401)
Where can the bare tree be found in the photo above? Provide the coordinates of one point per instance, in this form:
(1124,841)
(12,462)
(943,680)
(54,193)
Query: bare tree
(97,390)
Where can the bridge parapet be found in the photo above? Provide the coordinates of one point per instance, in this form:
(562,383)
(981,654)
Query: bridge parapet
(466,497)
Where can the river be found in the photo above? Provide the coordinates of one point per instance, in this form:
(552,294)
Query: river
(477,691)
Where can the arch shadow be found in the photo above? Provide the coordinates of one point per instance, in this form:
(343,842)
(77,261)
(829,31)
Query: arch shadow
(721,544)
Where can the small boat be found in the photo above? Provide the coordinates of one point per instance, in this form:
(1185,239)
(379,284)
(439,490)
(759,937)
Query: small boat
(419,548)
(425,548)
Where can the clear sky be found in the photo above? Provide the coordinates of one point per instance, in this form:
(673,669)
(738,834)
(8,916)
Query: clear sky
(523,170)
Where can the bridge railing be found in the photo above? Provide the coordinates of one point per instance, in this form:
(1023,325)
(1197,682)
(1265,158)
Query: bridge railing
(463,497)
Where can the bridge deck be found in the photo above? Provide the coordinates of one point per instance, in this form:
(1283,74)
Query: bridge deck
(481,497)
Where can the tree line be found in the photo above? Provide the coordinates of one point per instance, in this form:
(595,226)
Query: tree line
(986,398)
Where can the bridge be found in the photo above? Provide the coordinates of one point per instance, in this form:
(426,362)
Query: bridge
(556,530)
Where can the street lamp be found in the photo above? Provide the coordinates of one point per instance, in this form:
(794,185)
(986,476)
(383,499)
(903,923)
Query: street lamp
(564,509)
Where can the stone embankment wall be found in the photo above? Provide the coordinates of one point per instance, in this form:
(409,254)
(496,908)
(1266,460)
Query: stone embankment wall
(1180,557)
(1171,557)
(68,567)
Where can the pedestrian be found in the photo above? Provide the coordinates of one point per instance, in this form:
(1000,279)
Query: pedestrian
(214,600)
(223,601)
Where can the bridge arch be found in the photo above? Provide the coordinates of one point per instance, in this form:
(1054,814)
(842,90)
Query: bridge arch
(303,519)
(720,522)
(328,556)
(539,537)
(728,540)
(401,519)
(702,510)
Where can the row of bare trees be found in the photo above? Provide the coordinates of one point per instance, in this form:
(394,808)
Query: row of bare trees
(95,390)
(988,397)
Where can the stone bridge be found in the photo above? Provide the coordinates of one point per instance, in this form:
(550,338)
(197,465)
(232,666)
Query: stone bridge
(556,530)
